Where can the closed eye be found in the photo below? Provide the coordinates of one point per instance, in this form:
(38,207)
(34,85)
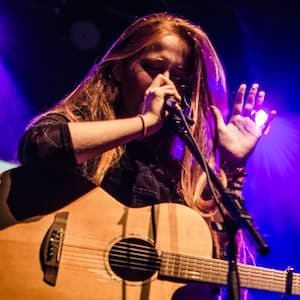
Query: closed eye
(153,69)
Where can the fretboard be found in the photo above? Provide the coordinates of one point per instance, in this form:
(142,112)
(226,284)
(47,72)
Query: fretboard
(190,268)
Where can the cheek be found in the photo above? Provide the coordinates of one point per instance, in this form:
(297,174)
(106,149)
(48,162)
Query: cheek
(138,77)
(132,92)
(138,82)
(142,81)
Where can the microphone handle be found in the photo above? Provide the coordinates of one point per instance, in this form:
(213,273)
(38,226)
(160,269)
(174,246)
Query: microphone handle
(173,107)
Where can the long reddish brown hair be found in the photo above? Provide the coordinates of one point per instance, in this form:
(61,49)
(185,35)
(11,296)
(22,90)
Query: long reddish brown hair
(94,98)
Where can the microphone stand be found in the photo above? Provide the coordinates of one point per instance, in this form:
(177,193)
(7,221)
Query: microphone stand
(240,217)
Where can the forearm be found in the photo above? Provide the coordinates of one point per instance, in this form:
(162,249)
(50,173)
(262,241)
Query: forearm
(92,138)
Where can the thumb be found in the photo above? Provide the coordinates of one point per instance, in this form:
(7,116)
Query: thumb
(217,116)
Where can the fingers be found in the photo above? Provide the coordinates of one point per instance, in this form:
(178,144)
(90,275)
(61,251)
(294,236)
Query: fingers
(248,106)
(253,102)
(259,101)
(163,86)
(157,93)
(266,125)
(239,100)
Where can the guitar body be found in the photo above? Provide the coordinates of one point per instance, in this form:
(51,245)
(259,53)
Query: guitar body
(95,223)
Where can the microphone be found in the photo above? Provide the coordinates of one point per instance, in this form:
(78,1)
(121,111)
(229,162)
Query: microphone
(173,107)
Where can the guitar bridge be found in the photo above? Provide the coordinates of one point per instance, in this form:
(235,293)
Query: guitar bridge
(51,247)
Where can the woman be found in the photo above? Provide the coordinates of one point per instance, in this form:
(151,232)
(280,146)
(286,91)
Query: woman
(114,125)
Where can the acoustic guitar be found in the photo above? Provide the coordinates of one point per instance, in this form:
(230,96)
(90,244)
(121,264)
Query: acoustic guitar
(97,248)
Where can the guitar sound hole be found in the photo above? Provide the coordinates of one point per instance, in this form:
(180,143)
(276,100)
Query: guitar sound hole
(134,259)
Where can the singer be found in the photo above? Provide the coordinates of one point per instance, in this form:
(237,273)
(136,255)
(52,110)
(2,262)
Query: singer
(112,127)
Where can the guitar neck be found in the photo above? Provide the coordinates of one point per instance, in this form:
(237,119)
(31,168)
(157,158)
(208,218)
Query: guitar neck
(190,268)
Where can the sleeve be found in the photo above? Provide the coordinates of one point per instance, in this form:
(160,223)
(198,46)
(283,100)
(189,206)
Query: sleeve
(47,143)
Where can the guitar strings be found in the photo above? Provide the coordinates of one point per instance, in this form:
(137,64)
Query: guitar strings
(185,265)
(155,260)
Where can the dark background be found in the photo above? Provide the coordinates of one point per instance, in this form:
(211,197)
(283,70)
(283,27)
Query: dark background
(257,40)
(47,47)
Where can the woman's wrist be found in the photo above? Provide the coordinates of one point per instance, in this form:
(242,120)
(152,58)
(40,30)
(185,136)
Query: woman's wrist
(144,128)
(149,124)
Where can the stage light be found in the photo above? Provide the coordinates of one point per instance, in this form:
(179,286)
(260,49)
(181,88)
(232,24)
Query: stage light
(6,165)
(261,117)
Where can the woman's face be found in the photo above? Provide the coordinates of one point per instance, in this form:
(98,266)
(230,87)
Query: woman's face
(168,56)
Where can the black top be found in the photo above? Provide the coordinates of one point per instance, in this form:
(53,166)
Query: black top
(138,179)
